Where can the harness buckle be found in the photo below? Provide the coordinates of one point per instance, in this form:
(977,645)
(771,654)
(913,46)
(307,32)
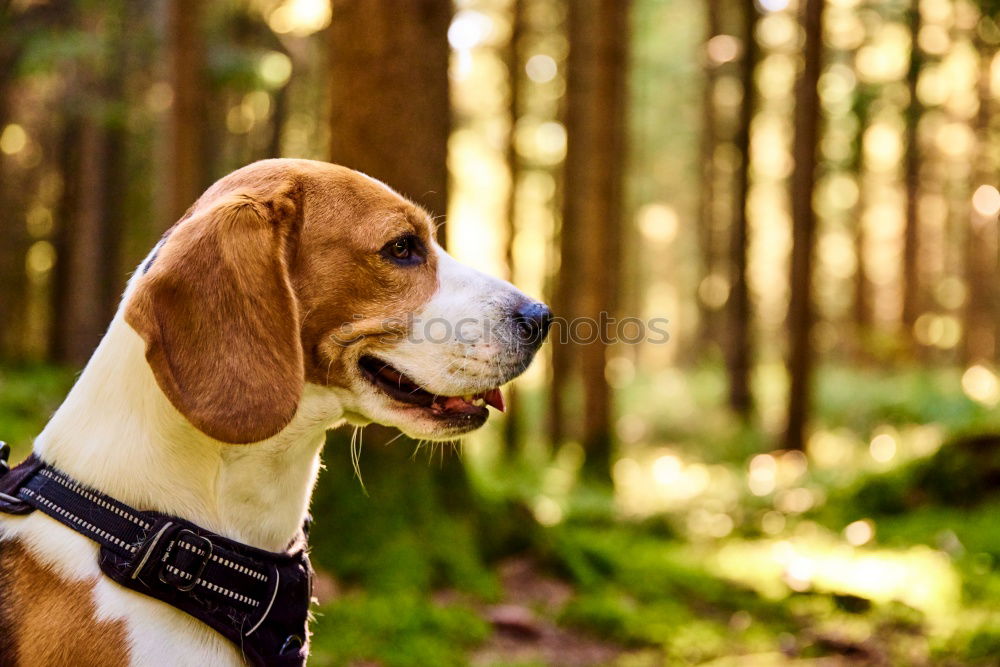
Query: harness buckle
(191,552)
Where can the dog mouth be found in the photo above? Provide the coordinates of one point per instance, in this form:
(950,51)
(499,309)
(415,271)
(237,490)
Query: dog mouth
(401,388)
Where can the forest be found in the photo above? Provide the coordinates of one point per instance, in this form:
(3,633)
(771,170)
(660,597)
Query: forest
(801,196)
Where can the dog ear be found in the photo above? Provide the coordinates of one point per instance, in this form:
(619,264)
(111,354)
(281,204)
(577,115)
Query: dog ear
(220,319)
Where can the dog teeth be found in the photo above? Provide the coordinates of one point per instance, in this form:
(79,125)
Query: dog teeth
(468,398)
(479,402)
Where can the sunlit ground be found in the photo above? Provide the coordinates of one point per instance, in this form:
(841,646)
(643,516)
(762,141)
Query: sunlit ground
(800,529)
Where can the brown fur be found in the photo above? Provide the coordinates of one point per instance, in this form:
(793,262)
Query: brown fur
(36,602)
(240,305)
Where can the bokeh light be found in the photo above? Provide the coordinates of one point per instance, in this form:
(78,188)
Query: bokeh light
(300,17)
(13,139)
(986,200)
(981,385)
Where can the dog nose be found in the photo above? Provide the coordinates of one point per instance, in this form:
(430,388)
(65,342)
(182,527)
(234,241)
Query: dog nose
(533,320)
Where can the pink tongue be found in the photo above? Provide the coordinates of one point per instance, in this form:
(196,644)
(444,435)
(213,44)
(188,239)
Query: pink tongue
(495,398)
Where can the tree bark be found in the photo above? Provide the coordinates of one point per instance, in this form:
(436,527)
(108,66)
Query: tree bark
(391,111)
(800,309)
(186,172)
(739,344)
(911,231)
(592,208)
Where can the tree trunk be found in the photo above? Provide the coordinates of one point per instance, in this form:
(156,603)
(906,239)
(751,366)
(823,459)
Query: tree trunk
(14,240)
(708,318)
(739,343)
(69,160)
(14,243)
(911,232)
(592,208)
(89,278)
(186,172)
(390,119)
(800,308)
(862,301)
(512,426)
(278,117)
(81,317)
(981,314)
(391,112)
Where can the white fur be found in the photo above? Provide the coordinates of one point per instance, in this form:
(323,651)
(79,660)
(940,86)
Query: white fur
(117,432)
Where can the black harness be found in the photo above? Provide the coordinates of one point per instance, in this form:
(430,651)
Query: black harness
(256,599)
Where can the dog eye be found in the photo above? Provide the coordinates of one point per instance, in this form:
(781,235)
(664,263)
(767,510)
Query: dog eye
(404,250)
(401,248)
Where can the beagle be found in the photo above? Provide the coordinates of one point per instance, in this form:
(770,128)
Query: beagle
(292,296)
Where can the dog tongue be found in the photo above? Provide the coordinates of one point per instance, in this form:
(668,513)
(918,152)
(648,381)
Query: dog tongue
(495,398)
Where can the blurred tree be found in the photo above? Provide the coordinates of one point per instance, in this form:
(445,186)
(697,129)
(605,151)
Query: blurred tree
(739,347)
(862,297)
(592,206)
(14,239)
(707,222)
(186,172)
(911,230)
(515,68)
(392,122)
(88,279)
(981,308)
(803,182)
(21,24)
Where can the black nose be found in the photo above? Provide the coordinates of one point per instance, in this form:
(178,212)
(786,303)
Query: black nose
(533,320)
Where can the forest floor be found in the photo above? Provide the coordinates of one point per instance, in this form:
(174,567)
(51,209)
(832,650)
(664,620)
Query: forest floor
(881,547)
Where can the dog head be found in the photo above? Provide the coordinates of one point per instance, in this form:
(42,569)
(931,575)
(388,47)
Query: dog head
(289,272)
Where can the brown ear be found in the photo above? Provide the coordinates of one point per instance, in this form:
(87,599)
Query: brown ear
(220,319)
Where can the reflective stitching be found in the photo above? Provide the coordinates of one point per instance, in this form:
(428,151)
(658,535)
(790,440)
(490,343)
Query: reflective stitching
(213,587)
(274,595)
(224,561)
(77,520)
(73,486)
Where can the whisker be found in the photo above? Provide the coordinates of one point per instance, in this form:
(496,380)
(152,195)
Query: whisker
(356,442)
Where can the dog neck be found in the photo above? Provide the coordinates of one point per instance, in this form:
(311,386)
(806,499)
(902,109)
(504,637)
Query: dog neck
(118,433)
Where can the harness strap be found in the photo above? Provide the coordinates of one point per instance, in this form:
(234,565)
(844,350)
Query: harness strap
(228,585)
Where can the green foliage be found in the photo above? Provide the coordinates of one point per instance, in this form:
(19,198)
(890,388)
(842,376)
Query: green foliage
(416,531)
(861,399)
(401,630)
(964,472)
(28,395)
(641,589)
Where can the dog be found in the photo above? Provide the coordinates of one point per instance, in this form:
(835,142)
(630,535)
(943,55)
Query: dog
(292,297)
